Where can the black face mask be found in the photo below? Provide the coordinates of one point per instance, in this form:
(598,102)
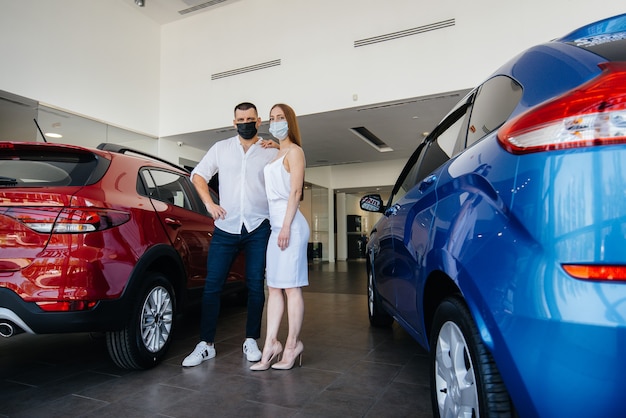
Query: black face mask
(247,130)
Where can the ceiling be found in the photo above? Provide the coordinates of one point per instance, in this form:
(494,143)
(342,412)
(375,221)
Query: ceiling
(328,139)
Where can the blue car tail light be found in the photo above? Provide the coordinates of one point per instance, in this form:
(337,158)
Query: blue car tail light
(596,272)
(590,115)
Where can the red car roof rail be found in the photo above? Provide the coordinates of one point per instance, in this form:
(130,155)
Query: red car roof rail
(120,149)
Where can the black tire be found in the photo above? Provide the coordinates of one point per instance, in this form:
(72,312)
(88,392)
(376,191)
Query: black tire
(145,339)
(377,315)
(461,365)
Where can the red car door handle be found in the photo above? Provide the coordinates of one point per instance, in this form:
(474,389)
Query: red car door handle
(174,223)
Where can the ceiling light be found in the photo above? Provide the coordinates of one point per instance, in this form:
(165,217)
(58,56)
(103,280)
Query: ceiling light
(371,139)
(140,3)
(53,135)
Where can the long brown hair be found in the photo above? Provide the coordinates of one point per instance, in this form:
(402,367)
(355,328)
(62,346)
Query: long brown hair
(292,122)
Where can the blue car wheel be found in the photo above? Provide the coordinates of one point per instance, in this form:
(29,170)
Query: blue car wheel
(377,315)
(464,378)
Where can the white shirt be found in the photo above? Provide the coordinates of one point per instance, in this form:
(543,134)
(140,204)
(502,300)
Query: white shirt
(242,183)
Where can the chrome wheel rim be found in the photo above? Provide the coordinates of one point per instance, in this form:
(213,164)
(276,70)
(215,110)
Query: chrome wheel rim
(455,380)
(156,319)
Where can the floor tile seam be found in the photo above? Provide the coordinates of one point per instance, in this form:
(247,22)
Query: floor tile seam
(21,383)
(56,381)
(49,404)
(318,369)
(311,399)
(374,399)
(177,387)
(295,410)
(89,398)
(380,394)
(385,363)
(106,374)
(391,379)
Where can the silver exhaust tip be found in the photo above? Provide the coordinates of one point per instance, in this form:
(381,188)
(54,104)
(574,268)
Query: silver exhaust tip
(6,330)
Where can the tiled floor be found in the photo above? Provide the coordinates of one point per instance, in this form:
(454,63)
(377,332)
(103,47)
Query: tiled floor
(348,368)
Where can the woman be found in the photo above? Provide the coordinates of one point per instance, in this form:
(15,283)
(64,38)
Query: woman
(287,268)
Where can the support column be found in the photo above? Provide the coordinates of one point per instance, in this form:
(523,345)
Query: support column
(342,228)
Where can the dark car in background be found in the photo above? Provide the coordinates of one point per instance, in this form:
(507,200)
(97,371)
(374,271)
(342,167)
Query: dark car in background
(502,249)
(100,240)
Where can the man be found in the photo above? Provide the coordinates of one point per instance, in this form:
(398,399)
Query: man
(241,223)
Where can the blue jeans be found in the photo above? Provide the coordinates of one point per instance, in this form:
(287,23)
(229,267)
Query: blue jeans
(222,251)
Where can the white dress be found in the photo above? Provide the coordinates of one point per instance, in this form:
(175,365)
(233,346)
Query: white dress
(289,267)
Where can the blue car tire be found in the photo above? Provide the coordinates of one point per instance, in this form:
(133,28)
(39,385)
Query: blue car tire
(377,315)
(464,378)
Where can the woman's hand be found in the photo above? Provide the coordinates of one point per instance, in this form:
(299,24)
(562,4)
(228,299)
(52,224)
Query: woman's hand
(268,143)
(283,238)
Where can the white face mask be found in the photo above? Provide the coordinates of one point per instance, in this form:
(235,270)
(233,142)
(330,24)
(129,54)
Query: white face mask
(279,129)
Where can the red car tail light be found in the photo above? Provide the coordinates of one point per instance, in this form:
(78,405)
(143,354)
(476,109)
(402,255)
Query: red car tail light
(595,272)
(70,220)
(67,306)
(590,115)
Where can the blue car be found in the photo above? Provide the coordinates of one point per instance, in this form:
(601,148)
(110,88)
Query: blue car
(502,248)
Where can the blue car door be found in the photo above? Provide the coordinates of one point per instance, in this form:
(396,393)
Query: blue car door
(388,230)
(414,213)
(413,217)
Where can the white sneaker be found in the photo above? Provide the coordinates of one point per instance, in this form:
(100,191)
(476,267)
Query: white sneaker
(251,350)
(202,352)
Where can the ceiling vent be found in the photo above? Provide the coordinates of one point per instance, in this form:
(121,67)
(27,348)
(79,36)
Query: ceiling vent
(200,6)
(407,32)
(371,139)
(243,70)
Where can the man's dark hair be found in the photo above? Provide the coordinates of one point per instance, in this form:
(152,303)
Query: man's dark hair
(245,106)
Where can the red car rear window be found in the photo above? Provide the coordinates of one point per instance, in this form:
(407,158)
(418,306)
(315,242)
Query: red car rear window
(40,167)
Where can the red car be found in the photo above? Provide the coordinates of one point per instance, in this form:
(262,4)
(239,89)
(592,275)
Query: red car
(100,240)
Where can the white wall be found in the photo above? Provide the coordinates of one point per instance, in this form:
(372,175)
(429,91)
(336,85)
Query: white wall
(320,67)
(98,58)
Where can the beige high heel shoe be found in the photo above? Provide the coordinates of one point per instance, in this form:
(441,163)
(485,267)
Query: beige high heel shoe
(288,361)
(277,348)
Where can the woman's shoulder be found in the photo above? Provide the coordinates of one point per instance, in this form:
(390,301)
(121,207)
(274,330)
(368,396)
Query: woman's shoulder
(295,152)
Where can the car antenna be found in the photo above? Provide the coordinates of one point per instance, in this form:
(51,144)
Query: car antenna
(42,135)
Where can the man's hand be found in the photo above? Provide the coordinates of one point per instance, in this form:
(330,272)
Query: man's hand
(216,211)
